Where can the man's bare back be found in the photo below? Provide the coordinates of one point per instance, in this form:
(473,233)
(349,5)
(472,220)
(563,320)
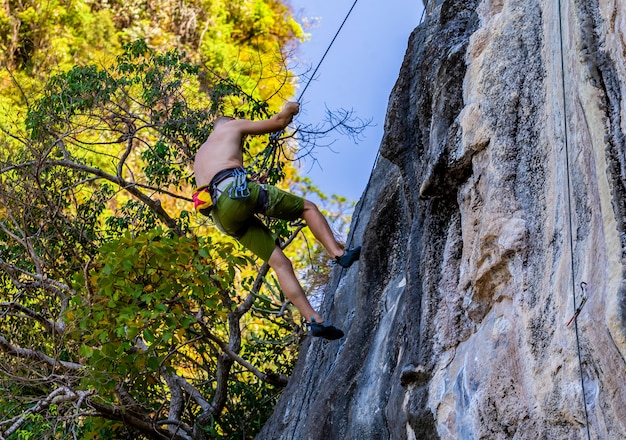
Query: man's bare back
(223,148)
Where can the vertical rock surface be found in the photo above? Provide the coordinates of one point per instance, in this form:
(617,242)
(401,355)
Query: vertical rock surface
(500,189)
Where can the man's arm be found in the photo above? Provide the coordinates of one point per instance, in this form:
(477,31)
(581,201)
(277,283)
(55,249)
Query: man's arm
(274,124)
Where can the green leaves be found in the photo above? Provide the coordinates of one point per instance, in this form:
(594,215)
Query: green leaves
(96,163)
(80,90)
(85,351)
(148,290)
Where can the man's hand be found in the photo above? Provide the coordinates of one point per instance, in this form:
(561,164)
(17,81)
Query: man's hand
(292,108)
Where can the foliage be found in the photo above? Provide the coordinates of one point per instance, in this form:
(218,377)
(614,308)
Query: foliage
(123,315)
(135,317)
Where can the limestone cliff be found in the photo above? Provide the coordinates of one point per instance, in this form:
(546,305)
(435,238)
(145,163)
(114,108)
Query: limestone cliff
(500,188)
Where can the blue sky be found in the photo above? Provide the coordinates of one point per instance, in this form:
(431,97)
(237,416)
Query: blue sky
(358,73)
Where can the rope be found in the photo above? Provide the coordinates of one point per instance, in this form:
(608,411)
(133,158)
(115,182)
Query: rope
(270,150)
(326,52)
(357,215)
(569,210)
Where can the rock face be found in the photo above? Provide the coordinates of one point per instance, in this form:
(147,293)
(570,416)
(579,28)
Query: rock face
(500,191)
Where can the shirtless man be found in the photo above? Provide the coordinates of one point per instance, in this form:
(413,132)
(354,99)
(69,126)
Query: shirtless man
(221,180)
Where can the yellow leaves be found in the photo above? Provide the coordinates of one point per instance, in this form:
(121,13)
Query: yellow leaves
(141,295)
(181,334)
(28,16)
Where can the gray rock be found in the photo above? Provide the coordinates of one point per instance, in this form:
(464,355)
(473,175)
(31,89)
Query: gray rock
(500,188)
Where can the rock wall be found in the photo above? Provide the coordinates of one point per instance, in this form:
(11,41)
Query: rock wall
(500,189)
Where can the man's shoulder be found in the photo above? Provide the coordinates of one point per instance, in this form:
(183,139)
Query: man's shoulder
(224,133)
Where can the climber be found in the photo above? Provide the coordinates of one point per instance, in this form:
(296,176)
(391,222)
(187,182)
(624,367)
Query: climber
(232,200)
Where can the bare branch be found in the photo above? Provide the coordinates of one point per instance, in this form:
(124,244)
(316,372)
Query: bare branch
(177,401)
(24,240)
(34,355)
(86,275)
(195,394)
(41,280)
(131,187)
(176,350)
(49,325)
(129,148)
(177,432)
(7,65)
(141,422)
(127,400)
(101,175)
(60,395)
(274,379)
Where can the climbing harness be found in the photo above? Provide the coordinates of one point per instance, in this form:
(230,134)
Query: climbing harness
(571,227)
(205,198)
(239,188)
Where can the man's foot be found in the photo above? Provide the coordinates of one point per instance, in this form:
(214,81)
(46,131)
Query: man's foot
(349,256)
(325,331)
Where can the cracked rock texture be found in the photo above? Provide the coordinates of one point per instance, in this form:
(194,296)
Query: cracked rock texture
(500,191)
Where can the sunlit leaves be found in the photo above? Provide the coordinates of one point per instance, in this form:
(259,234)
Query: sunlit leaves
(80,90)
(97,240)
(148,291)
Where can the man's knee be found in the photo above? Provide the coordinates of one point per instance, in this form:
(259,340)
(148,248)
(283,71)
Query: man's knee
(309,207)
(279,261)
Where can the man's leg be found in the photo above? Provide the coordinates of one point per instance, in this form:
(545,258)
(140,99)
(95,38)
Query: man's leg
(290,285)
(318,225)
(321,230)
(283,205)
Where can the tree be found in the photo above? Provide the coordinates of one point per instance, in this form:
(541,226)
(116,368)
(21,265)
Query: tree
(115,307)
(121,317)
(111,305)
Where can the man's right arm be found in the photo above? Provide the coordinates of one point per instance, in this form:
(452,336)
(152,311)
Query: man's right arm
(274,124)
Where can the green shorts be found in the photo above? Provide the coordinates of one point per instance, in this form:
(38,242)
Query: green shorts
(236,217)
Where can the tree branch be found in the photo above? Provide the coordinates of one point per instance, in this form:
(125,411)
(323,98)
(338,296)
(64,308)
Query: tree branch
(24,240)
(141,422)
(41,279)
(177,402)
(33,355)
(131,187)
(274,379)
(177,432)
(127,151)
(128,401)
(58,396)
(194,393)
(49,325)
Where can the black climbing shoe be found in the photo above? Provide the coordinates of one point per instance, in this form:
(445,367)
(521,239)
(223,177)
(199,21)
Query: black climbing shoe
(349,257)
(325,331)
